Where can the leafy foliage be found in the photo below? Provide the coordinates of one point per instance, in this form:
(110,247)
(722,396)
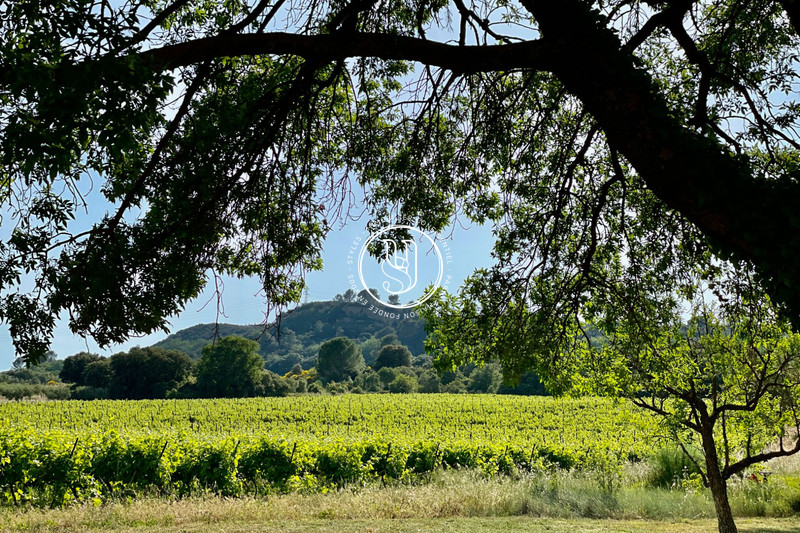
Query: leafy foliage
(74,365)
(230,368)
(339,359)
(393,355)
(148,372)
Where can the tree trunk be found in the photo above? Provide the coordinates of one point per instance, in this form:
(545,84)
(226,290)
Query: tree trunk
(718,485)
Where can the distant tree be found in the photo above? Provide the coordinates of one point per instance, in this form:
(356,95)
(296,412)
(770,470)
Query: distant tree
(339,359)
(338,298)
(388,330)
(74,365)
(393,355)
(487,378)
(274,385)
(349,295)
(20,362)
(387,375)
(529,385)
(98,373)
(299,384)
(369,349)
(429,382)
(148,372)
(403,384)
(365,295)
(283,364)
(390,339)
(457,386)
(394,299)
(230,368)
(368,381)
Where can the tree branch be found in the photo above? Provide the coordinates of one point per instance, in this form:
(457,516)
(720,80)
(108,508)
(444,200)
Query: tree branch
(329,47)
(739,466)
(691,173)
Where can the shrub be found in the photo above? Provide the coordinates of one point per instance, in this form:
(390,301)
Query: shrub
(668,467)
(403,384)
(90,393)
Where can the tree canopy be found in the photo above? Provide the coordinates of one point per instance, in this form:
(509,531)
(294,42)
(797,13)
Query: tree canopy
(148,372)
(339,359)
(229,368)
(609,143)
(393,355)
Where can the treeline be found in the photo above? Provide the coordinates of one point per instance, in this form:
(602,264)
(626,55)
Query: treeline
(297,337)
(232,367)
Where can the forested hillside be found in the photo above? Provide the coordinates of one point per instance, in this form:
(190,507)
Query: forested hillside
(296,338)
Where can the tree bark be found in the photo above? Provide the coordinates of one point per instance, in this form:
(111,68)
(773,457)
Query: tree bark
(717,483)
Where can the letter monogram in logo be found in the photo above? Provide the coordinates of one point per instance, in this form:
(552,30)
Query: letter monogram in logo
(399,264)
(411,267)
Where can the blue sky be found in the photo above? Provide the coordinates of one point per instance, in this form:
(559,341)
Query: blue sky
(470,246)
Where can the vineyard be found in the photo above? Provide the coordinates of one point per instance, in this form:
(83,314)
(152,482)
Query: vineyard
(52,453)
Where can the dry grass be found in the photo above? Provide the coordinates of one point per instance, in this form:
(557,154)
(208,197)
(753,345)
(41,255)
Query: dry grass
(247,515)
(453,501)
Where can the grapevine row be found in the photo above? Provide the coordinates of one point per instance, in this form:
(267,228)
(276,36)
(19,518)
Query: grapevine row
(57,468)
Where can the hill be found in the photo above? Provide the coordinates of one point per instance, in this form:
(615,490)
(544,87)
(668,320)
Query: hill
(296,337)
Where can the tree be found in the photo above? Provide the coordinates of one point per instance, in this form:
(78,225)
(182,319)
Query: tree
(339,359)
(727,385)
(612,145)
(230,368)
(274,385)
(74,365)
(429,382)
(393,355)
(485,379)
(143,373)
(390,339)
(394,299)
(578,110)
(369,296)
(403,384)
(369,349)
(98,374)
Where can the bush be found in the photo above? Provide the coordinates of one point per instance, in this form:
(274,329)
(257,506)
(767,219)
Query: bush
(274,385)
(368,381)
(669,466)
(485,379)
(403,384)
(56,392)
(90,393)
(457,386)
(429,382)
(387,375)
(17,391)
(20,391)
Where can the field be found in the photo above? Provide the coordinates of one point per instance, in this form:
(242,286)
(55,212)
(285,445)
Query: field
(52,453)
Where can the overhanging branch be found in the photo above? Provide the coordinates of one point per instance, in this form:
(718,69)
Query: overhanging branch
(329,47)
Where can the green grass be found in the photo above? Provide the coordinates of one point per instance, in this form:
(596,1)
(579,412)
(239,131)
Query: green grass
(452,501)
